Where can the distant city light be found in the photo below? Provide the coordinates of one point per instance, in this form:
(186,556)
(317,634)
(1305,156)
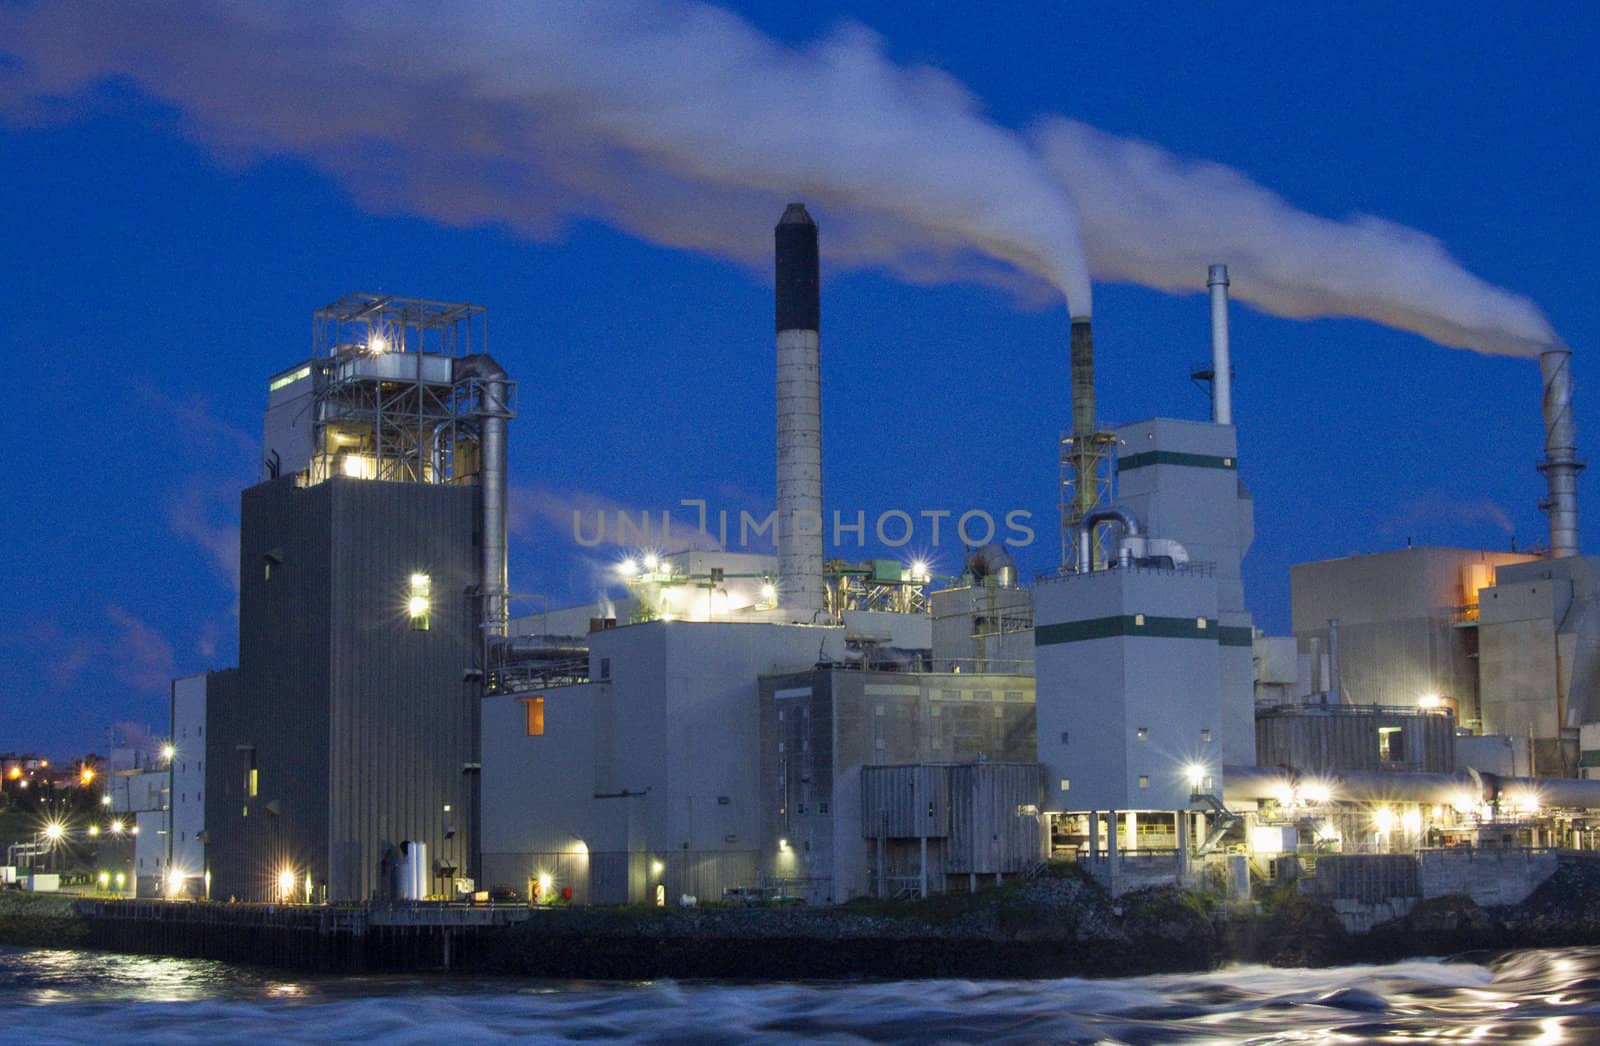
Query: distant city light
(86,774)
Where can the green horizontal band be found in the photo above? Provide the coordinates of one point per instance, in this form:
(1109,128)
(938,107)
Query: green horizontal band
(1173,457)
(1128,625)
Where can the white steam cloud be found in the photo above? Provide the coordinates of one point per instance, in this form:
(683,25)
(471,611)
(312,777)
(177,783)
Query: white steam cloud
(682,124)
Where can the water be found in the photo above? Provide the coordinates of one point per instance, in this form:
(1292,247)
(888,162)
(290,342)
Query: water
(1550,996)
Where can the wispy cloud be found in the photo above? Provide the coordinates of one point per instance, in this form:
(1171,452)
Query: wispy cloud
(1436,507)
(593,521)
(208,515)
(140,656)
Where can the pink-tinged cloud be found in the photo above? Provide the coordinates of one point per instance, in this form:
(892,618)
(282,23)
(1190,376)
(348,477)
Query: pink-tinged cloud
(139,656)
(1435,506)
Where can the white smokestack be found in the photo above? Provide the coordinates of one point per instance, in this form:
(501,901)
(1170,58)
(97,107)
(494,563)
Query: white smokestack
(1221,365)
(1561,465)
(798,304)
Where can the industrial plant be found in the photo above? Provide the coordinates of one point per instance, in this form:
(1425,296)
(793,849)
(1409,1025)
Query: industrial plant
(748,727)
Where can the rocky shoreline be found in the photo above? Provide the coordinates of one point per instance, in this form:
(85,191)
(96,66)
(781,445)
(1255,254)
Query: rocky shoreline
(1057,924)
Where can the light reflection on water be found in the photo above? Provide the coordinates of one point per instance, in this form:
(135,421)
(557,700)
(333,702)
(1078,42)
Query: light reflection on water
(96,997)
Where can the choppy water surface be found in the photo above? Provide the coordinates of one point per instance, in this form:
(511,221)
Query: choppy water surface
(1532,997)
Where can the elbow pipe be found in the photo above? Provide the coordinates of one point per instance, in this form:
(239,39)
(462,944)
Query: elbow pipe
(1092,519)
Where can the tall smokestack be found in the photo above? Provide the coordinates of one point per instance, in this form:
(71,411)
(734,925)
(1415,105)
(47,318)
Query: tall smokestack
(1561,465)
(799,311)
(1221,365)
(1083,419)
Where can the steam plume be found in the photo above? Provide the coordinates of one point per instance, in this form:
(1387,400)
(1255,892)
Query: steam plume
(675,121)
(1157,220)
(684,125)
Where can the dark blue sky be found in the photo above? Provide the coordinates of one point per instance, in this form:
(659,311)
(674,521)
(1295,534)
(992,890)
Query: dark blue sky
(151,284)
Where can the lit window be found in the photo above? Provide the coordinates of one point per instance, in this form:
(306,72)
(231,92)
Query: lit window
(1138,619)
(254,787)
(1205,735)
(1200,623)
(1143,733)
(420,601)
(1065,784)
(534,707)
(1144,780)
(1391,744)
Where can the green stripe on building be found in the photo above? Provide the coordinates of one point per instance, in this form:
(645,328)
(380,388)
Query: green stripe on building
(1590,759)
(1134,625)
(1236,636)
(1172,457)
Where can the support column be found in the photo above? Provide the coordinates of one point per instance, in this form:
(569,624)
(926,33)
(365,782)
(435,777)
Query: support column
(1094,834)
(923,886)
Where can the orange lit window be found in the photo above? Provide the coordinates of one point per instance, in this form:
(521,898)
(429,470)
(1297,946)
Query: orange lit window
(535,707)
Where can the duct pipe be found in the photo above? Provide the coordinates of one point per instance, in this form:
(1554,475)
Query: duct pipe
(799,312)
(517,648)
(1109,514)
(1335,676)
(1221,366)
(1316,664)
(1561,465)
(492,411)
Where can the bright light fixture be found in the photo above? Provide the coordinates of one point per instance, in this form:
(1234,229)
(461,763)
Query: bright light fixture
(418,605)
(1195,773)
(1383,819)
(376,342)
(168,751)
(53,830)
(651,562)
(286,882)
(174,883)
(627,568)
(94,829)
(116,827)
(769,592)
(1411,821)
(105,800)
(1430,701)
(919,570)
(1316,792)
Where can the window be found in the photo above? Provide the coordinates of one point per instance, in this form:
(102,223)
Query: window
(1143,733)
(1391,744)
(1205,735)
(1200,623)
(420,601)
(534,708)
(1138,620)
(1144,780)
(605,668)
(1065,784)
(1064,735)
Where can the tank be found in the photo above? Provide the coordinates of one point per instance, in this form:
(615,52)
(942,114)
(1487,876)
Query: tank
(411,872)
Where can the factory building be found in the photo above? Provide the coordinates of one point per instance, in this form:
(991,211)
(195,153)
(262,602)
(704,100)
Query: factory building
(742,726)
(371,592)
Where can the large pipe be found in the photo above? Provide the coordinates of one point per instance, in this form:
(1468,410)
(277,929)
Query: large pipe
(799,313)
(1561,465)
(492,412)
(1221,366)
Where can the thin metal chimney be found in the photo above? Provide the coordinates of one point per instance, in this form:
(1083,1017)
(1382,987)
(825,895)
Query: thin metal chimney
(1083,420)
(1561,465)
(1335,675)
(1221,366)
(799,311)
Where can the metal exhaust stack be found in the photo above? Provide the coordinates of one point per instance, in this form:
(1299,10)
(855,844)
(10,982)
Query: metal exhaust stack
(492,412)
(1083,419)
(799,311)
(1561,465)
(1221,366)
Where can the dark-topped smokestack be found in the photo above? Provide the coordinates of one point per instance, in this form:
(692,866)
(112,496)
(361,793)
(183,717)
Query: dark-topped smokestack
(1561,465)
(799,313)
(1083,420)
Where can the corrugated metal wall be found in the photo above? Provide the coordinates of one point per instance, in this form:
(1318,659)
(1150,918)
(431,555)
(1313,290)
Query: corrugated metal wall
(988,834)
(1347,738)
(905,802)
(359,726)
